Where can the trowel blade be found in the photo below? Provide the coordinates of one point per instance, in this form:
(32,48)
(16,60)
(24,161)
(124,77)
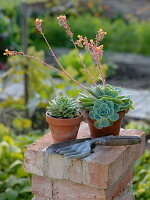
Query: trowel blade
(52,148)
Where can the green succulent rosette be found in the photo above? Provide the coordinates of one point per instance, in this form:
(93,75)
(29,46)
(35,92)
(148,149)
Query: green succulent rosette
(63,107)
(109,93)
(104,112)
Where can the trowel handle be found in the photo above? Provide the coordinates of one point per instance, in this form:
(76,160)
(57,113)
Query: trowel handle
(123,140)
(120,140)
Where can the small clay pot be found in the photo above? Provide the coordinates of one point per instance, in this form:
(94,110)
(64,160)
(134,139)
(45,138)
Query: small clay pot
(110,130)
(63,129)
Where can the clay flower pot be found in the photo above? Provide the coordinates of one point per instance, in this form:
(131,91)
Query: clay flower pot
(110,130)
(63,129)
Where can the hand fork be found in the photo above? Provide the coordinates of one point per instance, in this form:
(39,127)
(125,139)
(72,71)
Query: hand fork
(83,149)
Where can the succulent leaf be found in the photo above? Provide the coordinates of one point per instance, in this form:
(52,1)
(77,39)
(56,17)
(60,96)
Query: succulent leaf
(105,104)
(92,114)
(104,113)
(93,92)
(116,108)
(101,123)
(63,107)
(114,117)
(100,90)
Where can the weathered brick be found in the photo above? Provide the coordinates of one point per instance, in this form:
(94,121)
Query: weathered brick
(100,170)
(121,185)
(128,196)
(42,186)
(67,190)
(34,162)
(40,198)
(64,189)
(127,158)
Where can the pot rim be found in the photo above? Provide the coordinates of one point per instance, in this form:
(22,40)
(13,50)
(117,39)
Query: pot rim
(81,115)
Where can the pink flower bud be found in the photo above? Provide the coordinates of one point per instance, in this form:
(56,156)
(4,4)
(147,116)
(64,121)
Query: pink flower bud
(38,23)
(12,53)
(62,21)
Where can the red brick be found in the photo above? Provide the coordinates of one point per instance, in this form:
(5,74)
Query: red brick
(128,196)
(67,190)
(62,189)
(120,185)
(42,186)
(127,158)
(95,175)
(99,170)
(33,162)
(40,198)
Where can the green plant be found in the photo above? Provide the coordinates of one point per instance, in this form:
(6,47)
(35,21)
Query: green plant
(104,112)
(104,103)
(63,107)
(4,23)
(71,61)
(111,97)
(140,125)
(142,31)
(14,181)
(40,81)
(141,183)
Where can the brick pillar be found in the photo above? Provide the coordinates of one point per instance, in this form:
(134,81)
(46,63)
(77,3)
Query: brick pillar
(104,175)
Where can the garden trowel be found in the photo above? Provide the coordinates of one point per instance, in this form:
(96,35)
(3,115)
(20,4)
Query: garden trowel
(80,148)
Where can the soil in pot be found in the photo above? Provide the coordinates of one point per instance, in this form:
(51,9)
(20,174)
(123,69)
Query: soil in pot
(110,130)
(63,129)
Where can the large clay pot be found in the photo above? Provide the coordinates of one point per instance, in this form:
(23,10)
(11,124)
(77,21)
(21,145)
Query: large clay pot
(63,129)
(110,130)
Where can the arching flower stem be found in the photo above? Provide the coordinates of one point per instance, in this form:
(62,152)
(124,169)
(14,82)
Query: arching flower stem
(59,64)
(84,66)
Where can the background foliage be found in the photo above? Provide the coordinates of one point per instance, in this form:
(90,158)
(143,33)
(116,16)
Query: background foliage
(17,131)
(125,36)
(141,185)
(14,181)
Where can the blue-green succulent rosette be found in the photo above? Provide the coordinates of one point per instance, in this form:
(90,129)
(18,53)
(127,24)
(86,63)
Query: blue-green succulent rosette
(104,112)
(104,103)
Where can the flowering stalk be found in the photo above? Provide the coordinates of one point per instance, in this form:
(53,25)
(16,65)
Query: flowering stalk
(92,47)
(95,50)
(39,28)
(101,74)
(62,21)
(88,72)
(15,53)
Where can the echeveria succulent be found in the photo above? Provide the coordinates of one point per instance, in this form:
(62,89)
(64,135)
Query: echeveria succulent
(104,103)
(109,93)
(104,112)
(63,107)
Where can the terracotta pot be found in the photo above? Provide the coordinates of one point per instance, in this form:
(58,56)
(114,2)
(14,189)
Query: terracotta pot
(110,130)
(63,129)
